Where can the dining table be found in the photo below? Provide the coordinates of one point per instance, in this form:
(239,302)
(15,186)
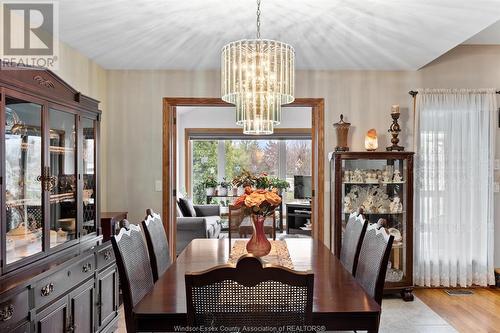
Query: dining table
(339,303)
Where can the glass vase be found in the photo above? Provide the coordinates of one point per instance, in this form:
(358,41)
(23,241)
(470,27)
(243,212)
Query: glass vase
(258,245)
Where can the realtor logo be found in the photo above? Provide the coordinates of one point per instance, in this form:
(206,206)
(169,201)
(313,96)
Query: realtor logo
(29,35)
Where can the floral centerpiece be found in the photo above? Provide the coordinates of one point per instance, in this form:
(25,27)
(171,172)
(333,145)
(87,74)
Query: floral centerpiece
(258,203)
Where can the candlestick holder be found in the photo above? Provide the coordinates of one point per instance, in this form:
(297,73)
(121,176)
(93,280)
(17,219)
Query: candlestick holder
(394,130)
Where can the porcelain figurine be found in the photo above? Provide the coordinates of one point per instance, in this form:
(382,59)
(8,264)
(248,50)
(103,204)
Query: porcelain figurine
(396,205)
(397,176)
(369,205)
(371,177)
(357,176)
(347,176)
(349,203)
(386,177)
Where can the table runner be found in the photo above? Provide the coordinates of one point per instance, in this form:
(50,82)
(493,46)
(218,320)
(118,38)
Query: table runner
(279,254)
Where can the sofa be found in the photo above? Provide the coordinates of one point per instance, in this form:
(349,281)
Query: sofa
(205,224)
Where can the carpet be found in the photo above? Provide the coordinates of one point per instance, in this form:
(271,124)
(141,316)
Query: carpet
(411,317)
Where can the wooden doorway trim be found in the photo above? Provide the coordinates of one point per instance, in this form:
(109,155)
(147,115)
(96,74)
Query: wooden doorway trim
(169,159)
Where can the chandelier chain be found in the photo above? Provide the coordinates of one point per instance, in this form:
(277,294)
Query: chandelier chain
(258,19)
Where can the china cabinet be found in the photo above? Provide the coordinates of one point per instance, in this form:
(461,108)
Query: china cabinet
(381,184)
(52,254)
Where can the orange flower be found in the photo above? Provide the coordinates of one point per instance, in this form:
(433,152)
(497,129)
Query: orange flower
(248,190)
(273,198)
(254,199)
(240,200)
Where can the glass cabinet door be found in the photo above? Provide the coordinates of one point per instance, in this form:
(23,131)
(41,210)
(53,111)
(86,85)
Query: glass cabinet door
(89,179)
(378,187)
(23,179)
(63,186)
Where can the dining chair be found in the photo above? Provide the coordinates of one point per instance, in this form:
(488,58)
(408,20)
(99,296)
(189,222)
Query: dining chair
(373,260)
(236,215)
(354,233)
(251,294)
(156,241)
(134,268)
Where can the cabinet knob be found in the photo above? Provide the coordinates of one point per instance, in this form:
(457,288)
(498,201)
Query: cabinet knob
(6,312)
(107,255)
(87,267)
(47,290)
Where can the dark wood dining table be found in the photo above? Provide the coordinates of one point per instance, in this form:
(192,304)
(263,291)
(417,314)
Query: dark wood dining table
(340,303)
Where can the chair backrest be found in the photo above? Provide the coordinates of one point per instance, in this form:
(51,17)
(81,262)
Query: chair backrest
(373,260)
(156,240)
(235,217)
(351,243)
(250,294)
(134,269)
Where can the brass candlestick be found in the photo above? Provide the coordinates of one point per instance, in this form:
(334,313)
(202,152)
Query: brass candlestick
(342,129)
(394,130)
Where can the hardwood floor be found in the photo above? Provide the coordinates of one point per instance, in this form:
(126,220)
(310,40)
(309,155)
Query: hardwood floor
(479,312)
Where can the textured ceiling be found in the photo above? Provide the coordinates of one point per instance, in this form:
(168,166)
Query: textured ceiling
(326,34)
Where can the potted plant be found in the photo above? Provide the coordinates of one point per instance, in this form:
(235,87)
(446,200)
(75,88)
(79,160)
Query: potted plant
(210,183)
(224,186)
(244,179)
(262,181)
(279,184)
(235,189)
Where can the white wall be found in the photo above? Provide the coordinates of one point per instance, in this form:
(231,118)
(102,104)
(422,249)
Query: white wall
(224,117)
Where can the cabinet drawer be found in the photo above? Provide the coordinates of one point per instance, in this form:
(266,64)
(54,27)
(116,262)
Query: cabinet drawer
(13,309)
(82,270)
(105,256)
(23,328)
(57,284)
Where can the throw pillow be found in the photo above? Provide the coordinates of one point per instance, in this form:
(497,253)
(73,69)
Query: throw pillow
(187,208)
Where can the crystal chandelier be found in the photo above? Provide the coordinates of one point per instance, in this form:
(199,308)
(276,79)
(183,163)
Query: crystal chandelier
(258,77)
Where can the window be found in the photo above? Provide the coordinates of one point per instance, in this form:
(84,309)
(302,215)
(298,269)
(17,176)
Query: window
(256,156)
(204,165)
(226,157)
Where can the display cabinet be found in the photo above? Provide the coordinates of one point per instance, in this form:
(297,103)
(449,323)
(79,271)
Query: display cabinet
(381,185)
(48,166)
(52,256)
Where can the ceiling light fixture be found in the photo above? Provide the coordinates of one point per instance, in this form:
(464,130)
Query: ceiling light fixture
(258,77)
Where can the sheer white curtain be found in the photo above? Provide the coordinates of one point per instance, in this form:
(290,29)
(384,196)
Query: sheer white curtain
(455,141)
